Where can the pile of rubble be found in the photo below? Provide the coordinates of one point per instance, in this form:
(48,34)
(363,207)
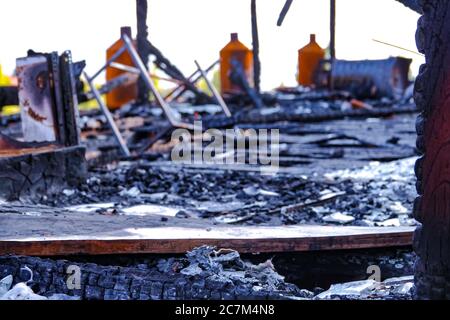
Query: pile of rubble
(380,194)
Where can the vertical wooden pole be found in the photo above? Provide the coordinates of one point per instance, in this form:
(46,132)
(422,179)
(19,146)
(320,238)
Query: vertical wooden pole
(255,40)
(142,35)
(432,207)
(332,29)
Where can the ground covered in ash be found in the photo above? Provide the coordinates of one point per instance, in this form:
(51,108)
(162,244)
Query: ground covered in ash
(379,194)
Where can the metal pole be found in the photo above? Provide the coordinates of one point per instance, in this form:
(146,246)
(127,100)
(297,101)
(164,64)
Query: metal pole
(179,90)
(213,89)
(149,82)
(108,116)
(113,58)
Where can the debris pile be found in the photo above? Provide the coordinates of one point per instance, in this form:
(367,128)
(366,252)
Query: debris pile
(21,291)
(390,289)
(205,273)
(376,195)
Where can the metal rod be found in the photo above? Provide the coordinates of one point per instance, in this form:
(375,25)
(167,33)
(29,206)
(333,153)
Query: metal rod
(284,11)
(124,67)
(108,116)
(191,78)
(113,58)
(214,91)
(134,70)
(182,86)
(155,76)
(149,82)
(398,47)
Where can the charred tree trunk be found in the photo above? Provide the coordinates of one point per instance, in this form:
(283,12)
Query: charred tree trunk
(432,207)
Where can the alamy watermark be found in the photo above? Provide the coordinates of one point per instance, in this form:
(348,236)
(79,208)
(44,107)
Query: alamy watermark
(73,281)
(256,147)
(375,272)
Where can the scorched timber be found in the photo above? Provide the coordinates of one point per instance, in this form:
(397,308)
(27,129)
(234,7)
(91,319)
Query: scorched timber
(69,233)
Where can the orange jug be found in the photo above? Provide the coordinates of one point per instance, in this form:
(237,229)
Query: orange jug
(127,92)
(238,51)
(308,61)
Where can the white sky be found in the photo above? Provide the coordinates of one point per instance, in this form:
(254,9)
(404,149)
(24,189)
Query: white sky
(186,30)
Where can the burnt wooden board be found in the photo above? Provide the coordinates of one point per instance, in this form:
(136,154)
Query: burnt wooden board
(69,233)
(44,171)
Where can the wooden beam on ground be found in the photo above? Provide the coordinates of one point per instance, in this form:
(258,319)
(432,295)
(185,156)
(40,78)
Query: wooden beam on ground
(71,233)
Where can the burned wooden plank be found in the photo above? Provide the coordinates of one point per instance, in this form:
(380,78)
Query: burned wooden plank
(59,232)
(181,239)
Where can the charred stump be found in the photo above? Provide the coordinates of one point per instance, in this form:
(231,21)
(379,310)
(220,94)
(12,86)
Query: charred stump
(432,207)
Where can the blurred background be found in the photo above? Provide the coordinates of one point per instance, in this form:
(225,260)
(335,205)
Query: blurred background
(197,29)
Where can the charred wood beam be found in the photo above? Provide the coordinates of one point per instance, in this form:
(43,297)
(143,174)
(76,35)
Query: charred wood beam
(255,40)
(142,36)
(432,207)
(284,11)
(332,30)
(146,48)
(171,70)
(254,117)
(413,5)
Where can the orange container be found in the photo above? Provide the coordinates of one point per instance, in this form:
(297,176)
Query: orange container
(127,92)
(235,50)
(308,61)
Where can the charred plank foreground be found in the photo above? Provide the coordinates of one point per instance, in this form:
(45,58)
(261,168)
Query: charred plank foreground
(432,207)
(202,274)
(53,233)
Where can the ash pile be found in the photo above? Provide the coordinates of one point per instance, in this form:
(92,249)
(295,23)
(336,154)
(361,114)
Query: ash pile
(379,194)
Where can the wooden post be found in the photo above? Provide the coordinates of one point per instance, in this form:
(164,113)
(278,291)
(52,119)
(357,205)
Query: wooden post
(255,40)
(142,35)
(432,207)
(332,30)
